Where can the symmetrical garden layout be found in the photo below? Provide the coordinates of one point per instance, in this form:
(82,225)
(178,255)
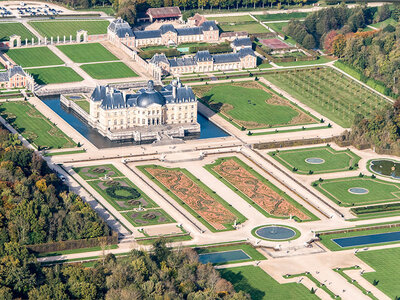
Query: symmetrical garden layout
(257,190)
(213,211)
(86,53)
(251,105)
(329,92)
(316,160)
(123,195)
(33,126)
(351,191)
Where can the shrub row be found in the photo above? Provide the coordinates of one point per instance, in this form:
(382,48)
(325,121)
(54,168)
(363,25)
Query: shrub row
(172,52)
(375,208)
(220,48)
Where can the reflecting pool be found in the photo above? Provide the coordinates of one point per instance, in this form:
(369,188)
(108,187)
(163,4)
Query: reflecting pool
(386,167)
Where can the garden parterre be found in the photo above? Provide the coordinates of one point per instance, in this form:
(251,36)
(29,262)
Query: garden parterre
(84,53)
(9,29)
(251,105)
(34,57)
(109,70)
(256,190)
(213,211)
(372,190)
(53,75)
(123,195)
(33,126)
(329,92)
(331,160)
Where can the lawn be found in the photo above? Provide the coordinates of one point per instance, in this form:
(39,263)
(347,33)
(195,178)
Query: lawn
(383,24)
(84,53)
(378,191)
(70,27)
(54,75)
(8,29)
(148,217)
(197,198)
(257,190)
(251,105)
(318,61)
(329,92)
(331,160)
(254,281)
(386,264)
(33,126)
(283,16)
(98,171)
(232,19)
(326,240)
(84,104)
(250,27)
(34,57)
(108,70)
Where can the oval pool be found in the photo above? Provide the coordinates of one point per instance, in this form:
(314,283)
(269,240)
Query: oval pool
(386,167)
(275,232)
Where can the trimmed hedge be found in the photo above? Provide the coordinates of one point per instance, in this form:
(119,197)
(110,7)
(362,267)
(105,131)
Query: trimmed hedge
(220,48)
(111,191)
(168,53)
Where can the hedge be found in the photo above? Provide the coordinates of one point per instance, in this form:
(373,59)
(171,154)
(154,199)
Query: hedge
(168,53)
(220,48)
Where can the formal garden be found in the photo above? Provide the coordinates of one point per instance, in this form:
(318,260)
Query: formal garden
(361,190)
(251,105)
(198,199)
(316,160)
(259,285)
(123,195)
(329,92)
(86,53)
(53,75)
(109,70)
(34,57)
(257,190)
(69,27)
(33,126)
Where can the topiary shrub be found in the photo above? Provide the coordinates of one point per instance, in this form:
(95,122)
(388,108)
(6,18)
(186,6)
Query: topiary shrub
(111,191)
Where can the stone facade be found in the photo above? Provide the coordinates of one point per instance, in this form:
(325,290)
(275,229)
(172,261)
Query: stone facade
(16,77)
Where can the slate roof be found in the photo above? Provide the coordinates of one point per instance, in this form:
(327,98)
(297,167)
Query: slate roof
(120,28)
(245,42)
(147,34)
(164,12)
(189,31)
(157,58)
(181,62)
(246,51)
(166,28)
(6,75)
(203,56)
(226,58)
(209,25)
(114,99)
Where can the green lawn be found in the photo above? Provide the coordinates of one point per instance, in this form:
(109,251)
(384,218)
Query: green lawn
(65,152)
(247,248)
(283,16)
(326,240)
(54,75)
(8,29)
(379,191)
(254,281)
(333,160)
(148,217)
(108,70)
(98,171)
(34,57)
(383,24)
(251,107)
(329,92)
(232,19)
(28,121)
(69,27)
(386,264)
(250,27)
(318,61)
(84,104)
(84,53)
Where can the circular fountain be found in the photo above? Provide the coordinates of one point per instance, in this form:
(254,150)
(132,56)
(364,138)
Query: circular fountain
(314,160)
(275,232)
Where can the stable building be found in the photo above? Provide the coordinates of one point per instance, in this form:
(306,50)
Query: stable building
(164,13)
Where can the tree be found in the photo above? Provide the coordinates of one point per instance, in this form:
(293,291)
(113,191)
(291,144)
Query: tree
(328,41)
(383,13)
(338,45)
(127,11)
(309,42)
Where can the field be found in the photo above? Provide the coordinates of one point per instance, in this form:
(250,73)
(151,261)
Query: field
(320,60)
(383,24)
(123,195)
(213,211)
(256,190)
(329,92)
(108,70)
(386,264)
(377,191)
(84,53)
(232,19)
(331,160)
(254,281)
(8,29)
(250,27)
(33,126)
(251,105)
(67,28)
(284,16)
(326,240)
(54,75)
(34,57)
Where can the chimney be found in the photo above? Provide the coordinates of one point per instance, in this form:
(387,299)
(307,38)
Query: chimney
(174,91)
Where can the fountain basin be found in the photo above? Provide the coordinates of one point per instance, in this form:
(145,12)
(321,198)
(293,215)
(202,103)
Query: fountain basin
(385,167)
(275,232)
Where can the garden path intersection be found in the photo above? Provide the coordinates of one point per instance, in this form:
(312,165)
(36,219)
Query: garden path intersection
(145,191)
